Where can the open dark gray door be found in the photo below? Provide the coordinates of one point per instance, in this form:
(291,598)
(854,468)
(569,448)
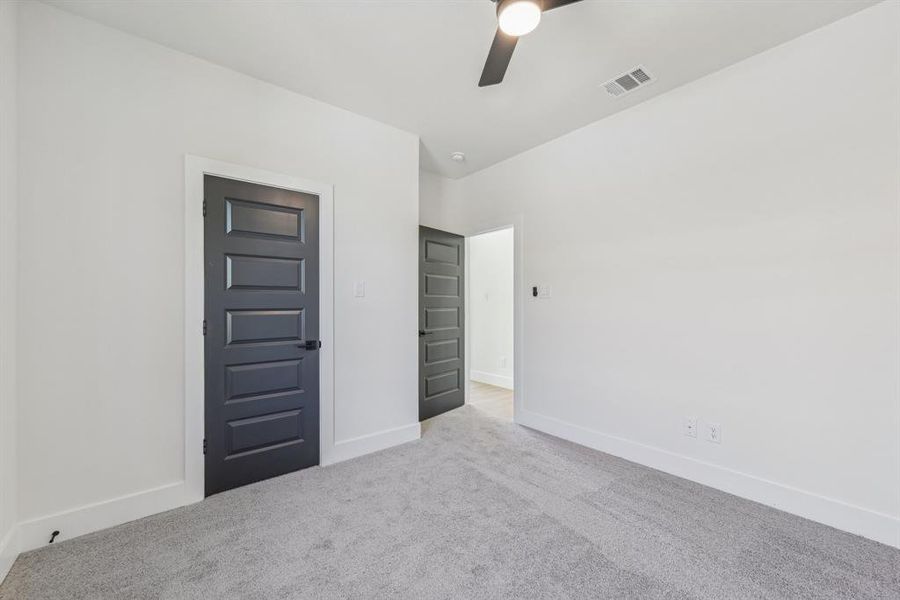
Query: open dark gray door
(441,322)
(262,325)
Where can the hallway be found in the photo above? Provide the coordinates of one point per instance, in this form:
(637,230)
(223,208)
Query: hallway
(492,400)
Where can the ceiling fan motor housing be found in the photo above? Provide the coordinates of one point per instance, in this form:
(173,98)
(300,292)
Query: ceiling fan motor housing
(501,3)
(518,17)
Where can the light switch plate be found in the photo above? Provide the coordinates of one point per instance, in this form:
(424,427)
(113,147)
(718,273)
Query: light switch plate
(359,289)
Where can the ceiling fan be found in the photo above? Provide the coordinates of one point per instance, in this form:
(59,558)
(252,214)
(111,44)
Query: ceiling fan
(515,18)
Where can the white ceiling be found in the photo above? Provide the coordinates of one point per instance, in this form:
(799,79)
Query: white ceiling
(415,64)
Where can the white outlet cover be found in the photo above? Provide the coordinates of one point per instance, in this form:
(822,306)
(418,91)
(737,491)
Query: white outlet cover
(714,433)
(544,291)
(359,289)
(690,427)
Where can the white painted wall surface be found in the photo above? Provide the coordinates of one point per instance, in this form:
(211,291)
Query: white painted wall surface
(8,276)
(490,308)
(730,251)
(105,122)
(434,190)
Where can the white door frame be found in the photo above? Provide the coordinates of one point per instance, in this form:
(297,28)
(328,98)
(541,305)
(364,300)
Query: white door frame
(517,224)
(195,167)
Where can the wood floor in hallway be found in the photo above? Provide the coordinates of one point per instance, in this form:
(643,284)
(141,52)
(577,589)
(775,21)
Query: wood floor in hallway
(492,400)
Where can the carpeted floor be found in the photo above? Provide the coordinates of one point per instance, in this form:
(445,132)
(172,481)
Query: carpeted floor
(478,508)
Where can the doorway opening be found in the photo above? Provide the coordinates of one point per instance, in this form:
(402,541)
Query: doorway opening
(490,322)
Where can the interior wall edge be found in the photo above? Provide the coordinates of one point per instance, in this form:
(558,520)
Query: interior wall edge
(9,255)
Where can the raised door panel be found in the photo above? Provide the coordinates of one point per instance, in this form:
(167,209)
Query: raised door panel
(440,351)
(441,252)
(442,383)
(243,381)
(254,219)
(263,273)
(265,432)
(244,327)
(437,319)
(442,285)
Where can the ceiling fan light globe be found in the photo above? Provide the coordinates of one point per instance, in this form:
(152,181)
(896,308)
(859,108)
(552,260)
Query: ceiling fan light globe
(518,17)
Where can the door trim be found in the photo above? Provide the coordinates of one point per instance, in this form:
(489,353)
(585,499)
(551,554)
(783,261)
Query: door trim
(517,224)
(195,167)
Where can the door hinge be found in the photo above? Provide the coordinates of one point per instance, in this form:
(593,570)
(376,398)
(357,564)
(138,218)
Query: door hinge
(204,208)
(204,445)
(204,326)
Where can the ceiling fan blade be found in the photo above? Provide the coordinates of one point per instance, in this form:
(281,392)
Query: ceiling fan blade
(551,4)
(498,59)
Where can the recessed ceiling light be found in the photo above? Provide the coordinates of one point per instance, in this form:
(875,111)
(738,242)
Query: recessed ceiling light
(458,157)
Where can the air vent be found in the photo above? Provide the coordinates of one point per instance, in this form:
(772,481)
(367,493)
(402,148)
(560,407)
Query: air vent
(626,82)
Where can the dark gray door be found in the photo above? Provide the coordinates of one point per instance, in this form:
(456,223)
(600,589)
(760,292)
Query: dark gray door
(441,322)
(262,307)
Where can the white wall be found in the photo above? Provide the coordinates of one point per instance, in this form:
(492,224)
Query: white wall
(490,308)
(729,250)
(105,122)
(8,142)
(433,190)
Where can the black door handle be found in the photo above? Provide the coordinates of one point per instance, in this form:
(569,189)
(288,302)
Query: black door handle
(421,332)
(310,345)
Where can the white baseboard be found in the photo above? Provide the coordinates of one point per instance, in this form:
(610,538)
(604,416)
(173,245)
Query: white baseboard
(373,442)
(491,379)
(854,519)
(883,528)
(9,550)
(35,533)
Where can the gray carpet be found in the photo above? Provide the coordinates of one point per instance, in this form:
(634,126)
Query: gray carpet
(479,508)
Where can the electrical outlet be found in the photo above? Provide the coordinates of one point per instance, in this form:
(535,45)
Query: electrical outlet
(502,362)
(690,427)
(714,433)
(544,291)
(359,289)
